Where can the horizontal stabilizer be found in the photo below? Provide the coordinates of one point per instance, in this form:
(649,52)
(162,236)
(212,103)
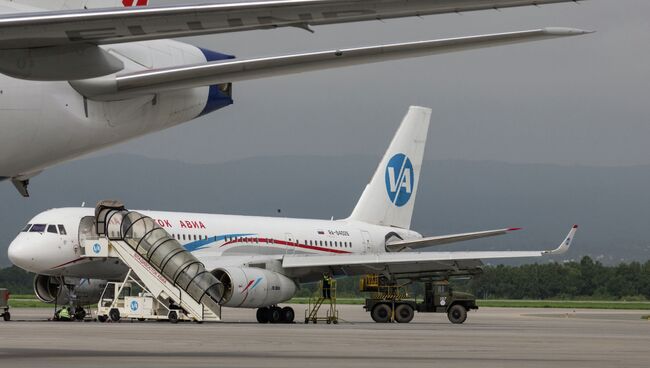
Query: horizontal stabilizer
(218,72)
(400,245)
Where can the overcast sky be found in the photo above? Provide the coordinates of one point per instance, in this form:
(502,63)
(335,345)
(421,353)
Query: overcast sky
(582,100)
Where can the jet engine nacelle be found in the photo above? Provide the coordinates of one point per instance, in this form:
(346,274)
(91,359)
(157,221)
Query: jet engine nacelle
(247,287)
(50,289)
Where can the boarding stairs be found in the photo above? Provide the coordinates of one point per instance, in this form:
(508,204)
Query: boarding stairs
(169,272)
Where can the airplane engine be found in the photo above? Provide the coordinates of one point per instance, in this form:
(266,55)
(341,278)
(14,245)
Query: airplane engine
(50,289)
(247,287)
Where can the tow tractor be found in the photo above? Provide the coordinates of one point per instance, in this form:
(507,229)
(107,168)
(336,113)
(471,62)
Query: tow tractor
(118,301)
(390,302)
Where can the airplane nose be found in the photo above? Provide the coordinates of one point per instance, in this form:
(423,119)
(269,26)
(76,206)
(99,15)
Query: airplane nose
(20,255)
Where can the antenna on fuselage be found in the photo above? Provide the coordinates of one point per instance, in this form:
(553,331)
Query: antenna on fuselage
(83,204)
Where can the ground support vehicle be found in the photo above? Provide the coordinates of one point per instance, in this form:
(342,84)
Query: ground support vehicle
(118,302)
(391,303)
(4,304)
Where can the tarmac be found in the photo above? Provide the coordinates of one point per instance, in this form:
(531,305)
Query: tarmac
(491,337)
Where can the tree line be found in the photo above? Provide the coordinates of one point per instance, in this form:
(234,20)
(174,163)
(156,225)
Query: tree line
(586,279)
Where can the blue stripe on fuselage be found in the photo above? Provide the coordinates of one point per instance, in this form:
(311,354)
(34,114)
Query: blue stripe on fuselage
(217,97)
(203,243)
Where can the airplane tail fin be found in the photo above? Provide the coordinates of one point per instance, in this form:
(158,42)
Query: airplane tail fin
(390,196)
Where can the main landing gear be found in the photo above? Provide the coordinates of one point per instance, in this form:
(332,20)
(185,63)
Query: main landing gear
(275,314)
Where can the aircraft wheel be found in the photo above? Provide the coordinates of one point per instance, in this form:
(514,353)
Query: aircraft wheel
(287,315)
(6,316)
(457,314)
(80,314)
(263,315)
(173,317)
(114,314)
(381,313)
(275,314)
(404,313)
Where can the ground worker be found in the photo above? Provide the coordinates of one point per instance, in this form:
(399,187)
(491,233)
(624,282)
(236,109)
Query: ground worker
(63,314)
(327,286)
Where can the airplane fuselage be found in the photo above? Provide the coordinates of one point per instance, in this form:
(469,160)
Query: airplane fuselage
(211,238)
(45,123)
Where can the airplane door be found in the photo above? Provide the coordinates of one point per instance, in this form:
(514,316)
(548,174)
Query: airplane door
(366,241)
(290,239)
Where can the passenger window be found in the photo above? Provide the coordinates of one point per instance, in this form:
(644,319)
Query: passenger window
(37,228)
(52,229)
(26,228)
(62,230)
(183,236)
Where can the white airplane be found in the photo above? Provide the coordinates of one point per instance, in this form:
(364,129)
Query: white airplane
(261,260)
(77,75)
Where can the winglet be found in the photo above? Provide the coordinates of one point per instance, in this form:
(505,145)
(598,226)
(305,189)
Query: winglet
(566,244)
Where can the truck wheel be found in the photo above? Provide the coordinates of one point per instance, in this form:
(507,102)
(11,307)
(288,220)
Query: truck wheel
(173,317)
(114,314)
(80,314)
(457,314)
(103,318)
(381,313)
(404,313)
(287,315)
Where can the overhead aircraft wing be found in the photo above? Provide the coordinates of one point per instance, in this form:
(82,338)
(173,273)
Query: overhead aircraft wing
(415,263)
(106,26)
(399,245)
(115,87)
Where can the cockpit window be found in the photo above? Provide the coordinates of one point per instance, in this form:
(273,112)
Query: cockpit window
(52,229)
(37,228)
(62,230)
(26,228)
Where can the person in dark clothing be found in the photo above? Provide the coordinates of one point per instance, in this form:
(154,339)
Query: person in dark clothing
(327,286)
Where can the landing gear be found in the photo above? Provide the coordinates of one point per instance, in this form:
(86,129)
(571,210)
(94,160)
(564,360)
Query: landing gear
(79,314)
(275,314)
(287,315)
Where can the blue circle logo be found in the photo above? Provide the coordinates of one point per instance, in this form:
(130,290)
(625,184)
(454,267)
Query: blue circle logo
(399,179)
(134,305)
(97,248)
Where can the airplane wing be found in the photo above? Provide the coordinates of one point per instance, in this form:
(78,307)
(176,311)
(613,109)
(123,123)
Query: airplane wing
(107,26)
(404,264)
(399,245)
(115,87)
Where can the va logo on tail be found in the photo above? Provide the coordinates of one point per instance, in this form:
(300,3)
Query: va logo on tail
(399,179)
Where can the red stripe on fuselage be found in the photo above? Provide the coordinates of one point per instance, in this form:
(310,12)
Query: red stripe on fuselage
(286,243)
